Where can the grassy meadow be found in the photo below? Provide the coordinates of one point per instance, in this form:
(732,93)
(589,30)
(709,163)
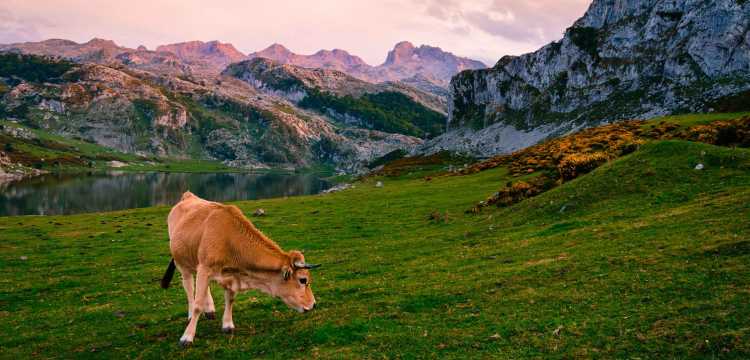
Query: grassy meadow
(644,257)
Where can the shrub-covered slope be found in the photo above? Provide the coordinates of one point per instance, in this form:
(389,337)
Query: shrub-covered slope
(389,107)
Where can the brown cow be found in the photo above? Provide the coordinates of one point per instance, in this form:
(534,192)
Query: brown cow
(217,242)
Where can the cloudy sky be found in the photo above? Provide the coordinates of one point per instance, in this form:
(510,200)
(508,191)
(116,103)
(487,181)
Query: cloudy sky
(482,29)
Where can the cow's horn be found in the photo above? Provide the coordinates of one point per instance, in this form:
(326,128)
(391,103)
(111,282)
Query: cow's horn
(304,265)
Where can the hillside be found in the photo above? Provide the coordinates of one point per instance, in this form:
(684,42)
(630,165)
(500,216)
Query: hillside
(645,256)
(386,107)
(621,60)
(146,114)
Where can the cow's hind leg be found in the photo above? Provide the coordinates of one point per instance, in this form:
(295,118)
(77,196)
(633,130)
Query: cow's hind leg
(187,282)
(199,305)
(210,308)
(227,325)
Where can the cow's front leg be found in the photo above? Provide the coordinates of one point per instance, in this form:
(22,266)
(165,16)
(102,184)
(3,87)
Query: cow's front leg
(199,305)
(227,325)
(210,308)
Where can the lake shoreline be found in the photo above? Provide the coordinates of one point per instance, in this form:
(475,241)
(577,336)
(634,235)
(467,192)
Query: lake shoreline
(66,193)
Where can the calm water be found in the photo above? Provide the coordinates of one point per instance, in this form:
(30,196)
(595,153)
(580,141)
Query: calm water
(79,193)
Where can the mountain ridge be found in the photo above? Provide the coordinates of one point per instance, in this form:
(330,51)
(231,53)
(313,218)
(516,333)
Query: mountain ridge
(210,58)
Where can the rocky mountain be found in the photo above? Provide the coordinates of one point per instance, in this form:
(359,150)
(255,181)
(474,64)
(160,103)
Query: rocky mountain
(389,107)
(205,100)
(145,113)
(623,59)
(405,61)
(431,63)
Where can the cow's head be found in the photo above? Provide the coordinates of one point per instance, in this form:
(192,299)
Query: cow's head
(294,287)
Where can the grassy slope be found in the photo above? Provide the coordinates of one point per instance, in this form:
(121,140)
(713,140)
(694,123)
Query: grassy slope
(688,120)
(642,257)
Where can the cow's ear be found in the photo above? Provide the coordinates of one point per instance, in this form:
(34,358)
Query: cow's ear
(295,257)
(286,272)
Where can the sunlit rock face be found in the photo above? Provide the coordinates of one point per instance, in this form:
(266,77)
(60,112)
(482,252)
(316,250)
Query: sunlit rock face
(623,59)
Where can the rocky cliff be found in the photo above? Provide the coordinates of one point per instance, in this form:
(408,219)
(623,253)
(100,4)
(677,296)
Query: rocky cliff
(623,59)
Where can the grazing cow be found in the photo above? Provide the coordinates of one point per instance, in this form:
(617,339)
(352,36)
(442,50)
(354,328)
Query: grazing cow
(217,242)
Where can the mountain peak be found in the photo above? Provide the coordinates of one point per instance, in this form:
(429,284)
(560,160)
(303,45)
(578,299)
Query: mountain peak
(401,53)
(101,42)
(277,48)
(404,45)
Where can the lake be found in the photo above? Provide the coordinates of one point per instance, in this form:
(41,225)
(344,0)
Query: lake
(55,194)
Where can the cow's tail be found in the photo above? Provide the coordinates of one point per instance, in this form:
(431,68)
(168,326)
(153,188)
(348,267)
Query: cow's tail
(168,275)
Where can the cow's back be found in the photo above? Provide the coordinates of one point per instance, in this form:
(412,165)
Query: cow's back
(187,223)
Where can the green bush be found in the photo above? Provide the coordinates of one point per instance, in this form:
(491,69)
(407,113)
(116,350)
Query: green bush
(387,111)
(586,38)
(145,111)
(33,68)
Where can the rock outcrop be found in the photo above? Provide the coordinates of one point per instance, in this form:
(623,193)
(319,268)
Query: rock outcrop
(212,55)
(623,59)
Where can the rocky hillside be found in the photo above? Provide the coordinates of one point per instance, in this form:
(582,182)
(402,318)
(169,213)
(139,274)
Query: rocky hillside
(405,61)
(621,60)
(390,107)
(144,113)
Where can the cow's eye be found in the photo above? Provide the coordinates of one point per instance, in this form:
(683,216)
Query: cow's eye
(303,281)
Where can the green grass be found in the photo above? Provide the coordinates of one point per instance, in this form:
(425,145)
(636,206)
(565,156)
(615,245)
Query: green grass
(688,120)
(644,257)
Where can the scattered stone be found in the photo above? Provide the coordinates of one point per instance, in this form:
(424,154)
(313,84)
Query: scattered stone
(259,212)
(495,336)
(699,167)
(379,184)
(338,188)
(116,164)
(557,331)
(24,258)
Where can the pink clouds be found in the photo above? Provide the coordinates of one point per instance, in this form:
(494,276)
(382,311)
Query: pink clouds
(482,29)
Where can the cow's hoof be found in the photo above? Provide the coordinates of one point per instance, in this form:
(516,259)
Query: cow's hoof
(228,330)
(211,315)
(185,343)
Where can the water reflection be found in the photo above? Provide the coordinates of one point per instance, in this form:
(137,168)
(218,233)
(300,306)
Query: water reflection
(78,193)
